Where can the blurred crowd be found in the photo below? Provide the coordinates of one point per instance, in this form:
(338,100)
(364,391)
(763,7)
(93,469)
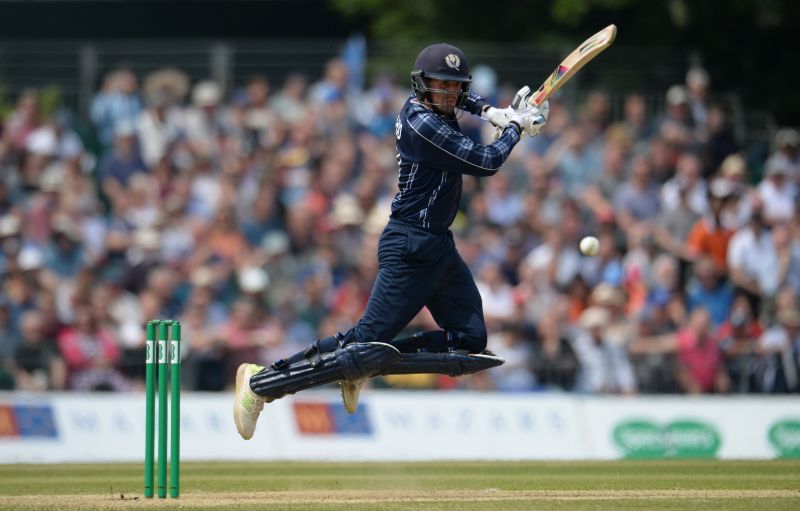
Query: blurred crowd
(252,216)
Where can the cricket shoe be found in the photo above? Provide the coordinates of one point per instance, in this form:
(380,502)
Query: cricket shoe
(350,391)
(247,405)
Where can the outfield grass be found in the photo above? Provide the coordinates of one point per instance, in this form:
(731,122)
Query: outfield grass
(678,485)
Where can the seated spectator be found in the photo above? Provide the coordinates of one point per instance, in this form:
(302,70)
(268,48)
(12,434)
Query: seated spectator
(778,192)
(779,347)
(64,254)
(37,364)
(574,159)
(653,349)
(497,296)
(709,237)
(738,337)
(700,365)
(515,374)
(9,341)
(709,291)
(675,222)
(636,200)
(752,257)
(688,178)
(91,353)
(605,366)
(554,362)
(122,162)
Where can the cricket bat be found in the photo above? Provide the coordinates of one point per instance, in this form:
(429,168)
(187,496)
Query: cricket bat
(579,57)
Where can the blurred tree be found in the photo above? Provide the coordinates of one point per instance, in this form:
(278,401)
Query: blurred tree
(748,46)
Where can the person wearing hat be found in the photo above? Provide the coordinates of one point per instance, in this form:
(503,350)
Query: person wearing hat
(709,235)
(676,125)
(205,120)
(778,191)
(779,347)
(787,143)
(605,366)
(419,265)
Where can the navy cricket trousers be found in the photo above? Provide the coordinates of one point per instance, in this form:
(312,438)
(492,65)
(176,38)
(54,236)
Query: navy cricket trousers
(418,268)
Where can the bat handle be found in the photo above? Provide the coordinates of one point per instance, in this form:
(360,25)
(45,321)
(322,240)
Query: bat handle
(521,98)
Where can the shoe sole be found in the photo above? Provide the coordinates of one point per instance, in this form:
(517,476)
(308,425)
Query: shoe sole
(344,399)
(239,379)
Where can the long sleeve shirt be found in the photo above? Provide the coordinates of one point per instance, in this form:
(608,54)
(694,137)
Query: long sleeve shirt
(432,154)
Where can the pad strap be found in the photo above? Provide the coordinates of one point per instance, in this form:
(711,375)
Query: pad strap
(354,361)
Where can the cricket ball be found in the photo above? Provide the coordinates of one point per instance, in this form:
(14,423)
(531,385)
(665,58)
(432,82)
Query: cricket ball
(590,246)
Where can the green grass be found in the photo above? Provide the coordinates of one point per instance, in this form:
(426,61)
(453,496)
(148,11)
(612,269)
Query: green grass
(679,485)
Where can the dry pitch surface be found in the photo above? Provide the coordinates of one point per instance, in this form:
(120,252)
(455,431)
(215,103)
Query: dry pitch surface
(678,485)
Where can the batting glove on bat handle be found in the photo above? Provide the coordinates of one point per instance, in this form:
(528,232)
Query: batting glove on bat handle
(497,116)
(531,121)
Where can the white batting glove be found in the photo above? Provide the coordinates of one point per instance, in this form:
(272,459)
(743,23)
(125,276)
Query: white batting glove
(532,120)
(497,116)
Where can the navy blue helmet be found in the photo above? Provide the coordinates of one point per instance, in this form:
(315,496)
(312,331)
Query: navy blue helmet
(441,62)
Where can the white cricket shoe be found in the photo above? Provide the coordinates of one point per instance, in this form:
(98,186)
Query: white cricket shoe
(350,391)
(247,405)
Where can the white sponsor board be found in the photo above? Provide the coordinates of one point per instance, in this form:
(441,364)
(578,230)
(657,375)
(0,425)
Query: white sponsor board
(405,426)
(688,426)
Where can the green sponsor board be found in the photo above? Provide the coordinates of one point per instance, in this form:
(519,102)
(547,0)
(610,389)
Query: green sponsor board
(784,436)
(641,438)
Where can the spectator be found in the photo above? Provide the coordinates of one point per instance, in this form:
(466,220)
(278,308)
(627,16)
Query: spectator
(554,362)
(122,161)
(636,200)
(709,237)
(158,126)
(653,349)
(117,103)
(700,365)
(37,364)
(574,160)
(787,143)
(677,125)
(719,139)
(288,102)
(752,258)
(503,206)
(779,347)
(605,366)
(710,291)
(635,124)
(206,120)
(697,82)
(688,177)
(673,226)
(777,191)
(738,339)
(23,121)
(515,374)
(91,353)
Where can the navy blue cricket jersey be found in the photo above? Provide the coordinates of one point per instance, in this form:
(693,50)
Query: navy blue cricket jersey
(432,154)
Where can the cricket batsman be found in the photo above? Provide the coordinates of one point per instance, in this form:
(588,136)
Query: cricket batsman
(419,265)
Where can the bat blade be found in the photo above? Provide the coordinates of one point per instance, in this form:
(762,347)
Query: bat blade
(579,57)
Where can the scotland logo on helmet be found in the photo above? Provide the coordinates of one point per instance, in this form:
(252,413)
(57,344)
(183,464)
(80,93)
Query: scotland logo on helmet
(452,61)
